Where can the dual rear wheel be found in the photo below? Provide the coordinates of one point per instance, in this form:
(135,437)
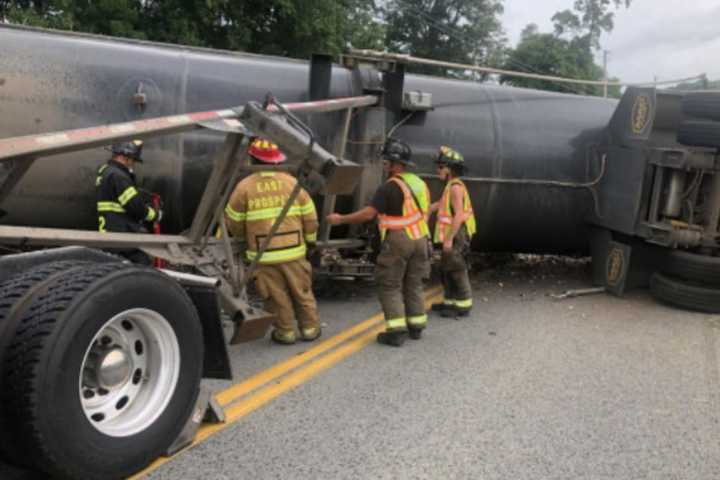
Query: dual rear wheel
(100,366)
(689,281)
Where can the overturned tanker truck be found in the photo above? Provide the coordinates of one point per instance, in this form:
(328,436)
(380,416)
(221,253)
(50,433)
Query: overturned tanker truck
(95,387)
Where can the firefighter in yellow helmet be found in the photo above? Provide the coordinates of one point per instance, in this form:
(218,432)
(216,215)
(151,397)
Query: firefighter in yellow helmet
(283,276)
(401,205)
(454,229)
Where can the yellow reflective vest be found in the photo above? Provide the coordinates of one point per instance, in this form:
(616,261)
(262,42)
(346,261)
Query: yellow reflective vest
(420,191)
(413,219)
(255,204)
(443,226)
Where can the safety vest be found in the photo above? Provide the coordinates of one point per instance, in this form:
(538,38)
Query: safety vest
(445,214)
(412,219)
(420,191)
(255,204)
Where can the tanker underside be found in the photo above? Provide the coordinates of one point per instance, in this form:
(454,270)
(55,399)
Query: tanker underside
(658,203)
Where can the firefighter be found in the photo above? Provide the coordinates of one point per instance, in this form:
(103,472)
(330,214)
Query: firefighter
(401,205)
(454,229)
(284,276)
(120,206)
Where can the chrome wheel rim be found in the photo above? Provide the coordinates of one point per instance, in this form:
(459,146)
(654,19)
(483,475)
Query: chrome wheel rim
(129,372)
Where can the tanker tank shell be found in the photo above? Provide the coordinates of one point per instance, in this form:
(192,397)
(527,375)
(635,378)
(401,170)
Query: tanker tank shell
(54,81)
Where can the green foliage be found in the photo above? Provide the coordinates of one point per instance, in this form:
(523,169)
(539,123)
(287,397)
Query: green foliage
(48,14)
(587,21)
(569,52)
(547,54)
(462,31)
(294,28)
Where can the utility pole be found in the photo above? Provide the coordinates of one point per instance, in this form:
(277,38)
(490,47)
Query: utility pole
(605,75)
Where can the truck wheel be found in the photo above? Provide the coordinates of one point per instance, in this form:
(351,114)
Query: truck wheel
(103,371)
(696,133)
(14,294)
(702,105)
(684,294)
(692,266)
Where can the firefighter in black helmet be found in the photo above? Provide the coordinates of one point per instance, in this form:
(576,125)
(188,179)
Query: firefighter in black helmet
(120,206)
(401,205)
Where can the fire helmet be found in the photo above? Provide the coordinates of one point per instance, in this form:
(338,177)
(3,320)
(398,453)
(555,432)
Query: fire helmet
(450,157)
(266,152)
(397,151)
(132,149)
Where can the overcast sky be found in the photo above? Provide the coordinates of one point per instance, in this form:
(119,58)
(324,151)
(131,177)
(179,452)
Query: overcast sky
(668,38)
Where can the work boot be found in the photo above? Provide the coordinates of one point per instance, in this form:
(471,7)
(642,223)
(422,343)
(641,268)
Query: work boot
(415,333)
(439,307)
(283,337)
(310,334)
(394,339)
(455,312)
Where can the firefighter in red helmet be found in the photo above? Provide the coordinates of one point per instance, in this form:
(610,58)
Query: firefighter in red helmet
(283,276)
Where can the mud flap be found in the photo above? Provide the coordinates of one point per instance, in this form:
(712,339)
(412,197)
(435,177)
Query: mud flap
(622,265)
(216,362)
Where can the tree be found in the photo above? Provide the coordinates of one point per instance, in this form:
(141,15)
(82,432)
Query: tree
(547,54)
(588,20)
(298,28)
(294,28)
(462,31)
(569,52)
(48,13)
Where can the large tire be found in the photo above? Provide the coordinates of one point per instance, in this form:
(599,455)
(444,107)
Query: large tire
(696,133)
(14,296)
(683,294)
(103,371)
(702,269)
(702,105)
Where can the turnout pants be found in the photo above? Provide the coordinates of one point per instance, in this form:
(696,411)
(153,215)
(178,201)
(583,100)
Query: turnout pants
(401,267)
(455,278)
(287,290)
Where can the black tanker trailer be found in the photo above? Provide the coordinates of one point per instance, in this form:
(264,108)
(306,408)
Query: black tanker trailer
(56,82)
(633,183)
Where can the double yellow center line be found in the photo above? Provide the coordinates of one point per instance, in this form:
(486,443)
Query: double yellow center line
(246,397)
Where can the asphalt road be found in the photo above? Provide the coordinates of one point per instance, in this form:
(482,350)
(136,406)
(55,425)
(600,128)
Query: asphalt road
(528,387)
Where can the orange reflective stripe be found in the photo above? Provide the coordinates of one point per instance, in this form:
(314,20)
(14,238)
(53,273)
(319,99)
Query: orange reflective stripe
(445,216)
(400,222)
(412,220)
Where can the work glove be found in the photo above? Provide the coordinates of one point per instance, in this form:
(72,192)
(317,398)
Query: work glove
(313,254)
